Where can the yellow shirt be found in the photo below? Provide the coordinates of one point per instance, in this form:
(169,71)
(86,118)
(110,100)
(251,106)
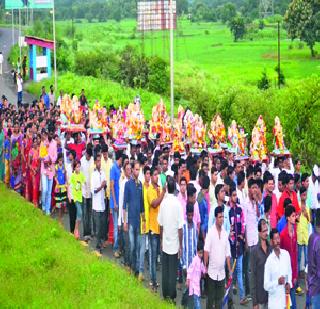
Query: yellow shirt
(303,229)
(153,212)
(146,208)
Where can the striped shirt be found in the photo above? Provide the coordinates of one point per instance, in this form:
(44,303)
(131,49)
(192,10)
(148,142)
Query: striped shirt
(189,244)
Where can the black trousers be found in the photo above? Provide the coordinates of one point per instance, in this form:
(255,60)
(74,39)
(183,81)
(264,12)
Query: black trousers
(215,293)
(169,275)
(72,215)
(107,215)
(99,219)
(87,216)
(246,270)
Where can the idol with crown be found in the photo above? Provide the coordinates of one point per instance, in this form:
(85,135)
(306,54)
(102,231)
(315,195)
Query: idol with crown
(217,133)
(258,146)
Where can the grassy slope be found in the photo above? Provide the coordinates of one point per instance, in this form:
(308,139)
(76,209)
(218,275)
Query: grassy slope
(41,265)
(214,53)
(106,91)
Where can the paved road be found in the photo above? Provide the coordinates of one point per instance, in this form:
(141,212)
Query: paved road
(7,86)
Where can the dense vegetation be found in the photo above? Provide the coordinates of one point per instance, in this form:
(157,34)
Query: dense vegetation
(41,265)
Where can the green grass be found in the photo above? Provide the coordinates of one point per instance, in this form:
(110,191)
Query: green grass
(215,53)
(43,266)
(106,91)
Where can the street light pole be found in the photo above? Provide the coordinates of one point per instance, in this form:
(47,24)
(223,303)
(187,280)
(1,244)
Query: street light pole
(19,39)
(171,62)
(55,47)
(278,54)
(12,27)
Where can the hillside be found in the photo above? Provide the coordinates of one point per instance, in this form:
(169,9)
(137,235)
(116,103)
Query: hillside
(42,266)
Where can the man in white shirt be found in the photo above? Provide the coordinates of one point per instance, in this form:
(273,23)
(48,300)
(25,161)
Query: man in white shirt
(98,185)
(86,169)
(313,191)
(213,183)
(215,260)
(124,235)
(1,62)
(241,178)
(19,89)
(277,274)
(170,219)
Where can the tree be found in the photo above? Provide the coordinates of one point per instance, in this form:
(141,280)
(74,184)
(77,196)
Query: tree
(227,12)
(303,22)
(237,27)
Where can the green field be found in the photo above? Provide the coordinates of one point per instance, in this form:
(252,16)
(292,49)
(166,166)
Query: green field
(43,266)
(208,47)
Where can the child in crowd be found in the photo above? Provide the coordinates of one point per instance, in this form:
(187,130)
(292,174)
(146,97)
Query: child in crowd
(61,187)
(303,229)
(76,181)
(194,273)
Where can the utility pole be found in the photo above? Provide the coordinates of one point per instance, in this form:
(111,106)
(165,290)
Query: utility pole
(12,26)
(279,54)
(171,62)
(19,40)
(55,46)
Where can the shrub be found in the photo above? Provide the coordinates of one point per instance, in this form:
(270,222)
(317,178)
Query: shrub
(264,82)
(158,78)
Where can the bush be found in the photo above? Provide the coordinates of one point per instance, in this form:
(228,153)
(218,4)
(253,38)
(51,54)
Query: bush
(74,45)
(158,78)
(264,82)
(261,24)
(206,32)
(300,45)
(97,64)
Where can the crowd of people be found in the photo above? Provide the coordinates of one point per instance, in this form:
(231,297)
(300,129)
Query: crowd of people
(217,224)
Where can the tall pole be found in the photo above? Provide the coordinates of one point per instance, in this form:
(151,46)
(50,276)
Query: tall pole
(55,49)
(171,62)
(12,26)
(19,34)
(278,54)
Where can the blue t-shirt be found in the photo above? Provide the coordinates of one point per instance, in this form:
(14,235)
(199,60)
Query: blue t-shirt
(115,174)
(61,175)
(281,224)
(133,200)
(46,100)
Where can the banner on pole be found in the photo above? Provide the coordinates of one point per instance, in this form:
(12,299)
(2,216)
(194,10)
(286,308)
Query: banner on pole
(155,15)
(30,4)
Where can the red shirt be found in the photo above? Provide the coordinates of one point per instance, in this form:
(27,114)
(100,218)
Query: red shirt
(290,244)
(273,211)
(78,148)
(294,199)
